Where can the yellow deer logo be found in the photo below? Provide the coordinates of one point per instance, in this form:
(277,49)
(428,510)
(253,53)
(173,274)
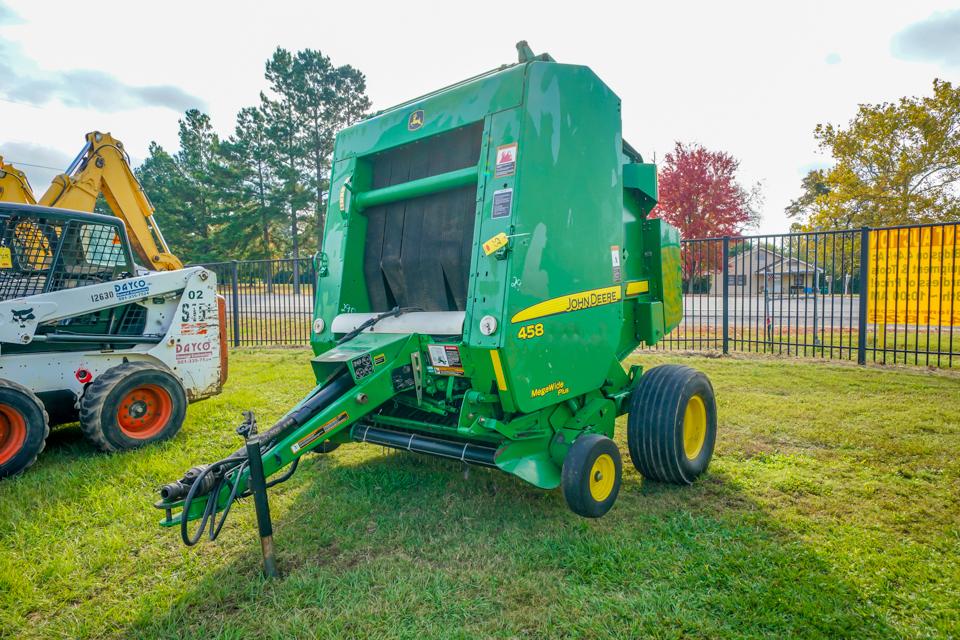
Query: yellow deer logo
(415,121)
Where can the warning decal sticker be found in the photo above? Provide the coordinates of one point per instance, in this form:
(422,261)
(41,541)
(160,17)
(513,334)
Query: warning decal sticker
(502,203)
(312,437)
(362,366)
(506,160)
(6,260)
(445,359)
(615,259)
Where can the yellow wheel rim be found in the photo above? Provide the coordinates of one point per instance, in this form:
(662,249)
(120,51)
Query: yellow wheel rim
(694,427)
(602,476)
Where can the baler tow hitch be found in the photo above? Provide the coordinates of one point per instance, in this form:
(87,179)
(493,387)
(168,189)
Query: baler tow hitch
(224,476)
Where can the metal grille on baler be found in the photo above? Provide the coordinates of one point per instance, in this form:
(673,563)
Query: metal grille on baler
(418,251)
(38,255)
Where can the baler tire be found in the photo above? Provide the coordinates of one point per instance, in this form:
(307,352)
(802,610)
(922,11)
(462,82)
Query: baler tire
(591,475)
(24,427)
(112,426)
(672,424)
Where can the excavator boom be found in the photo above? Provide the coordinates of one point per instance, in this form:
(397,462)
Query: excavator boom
(14,186)
(103,166)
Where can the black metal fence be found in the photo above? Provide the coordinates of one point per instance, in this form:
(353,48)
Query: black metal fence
(866,295)
(269,302)
(871,295)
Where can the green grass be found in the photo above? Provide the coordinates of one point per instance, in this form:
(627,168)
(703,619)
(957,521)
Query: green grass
(831,509)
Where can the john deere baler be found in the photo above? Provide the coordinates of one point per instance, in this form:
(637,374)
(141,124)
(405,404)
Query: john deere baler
(487,265)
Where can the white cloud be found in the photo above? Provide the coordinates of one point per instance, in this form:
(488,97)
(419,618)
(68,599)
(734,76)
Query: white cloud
(23,81)
(936,39)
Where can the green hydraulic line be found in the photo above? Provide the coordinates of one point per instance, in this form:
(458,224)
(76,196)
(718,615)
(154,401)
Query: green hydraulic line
(416,188)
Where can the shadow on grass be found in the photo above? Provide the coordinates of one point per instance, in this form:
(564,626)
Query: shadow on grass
(403,546)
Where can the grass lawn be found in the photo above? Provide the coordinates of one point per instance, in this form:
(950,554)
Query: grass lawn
(831,509)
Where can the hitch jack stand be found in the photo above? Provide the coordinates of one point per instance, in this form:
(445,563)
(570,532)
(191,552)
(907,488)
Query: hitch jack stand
(258,486)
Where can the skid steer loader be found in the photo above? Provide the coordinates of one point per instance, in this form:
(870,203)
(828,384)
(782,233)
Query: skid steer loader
(87,334)
(488,264)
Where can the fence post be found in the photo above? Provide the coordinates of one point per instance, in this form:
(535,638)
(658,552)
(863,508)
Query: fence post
(726,294)
(864,276)
(235,303)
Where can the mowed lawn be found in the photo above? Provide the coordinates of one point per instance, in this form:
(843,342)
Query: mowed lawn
(831,510)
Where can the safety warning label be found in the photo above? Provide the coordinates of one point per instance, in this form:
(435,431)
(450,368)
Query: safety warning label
(445,359)
(506,161)
(502,203)
(312,437)
(615,259)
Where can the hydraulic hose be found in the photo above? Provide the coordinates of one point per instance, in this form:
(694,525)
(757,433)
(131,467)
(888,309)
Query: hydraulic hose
(210,480)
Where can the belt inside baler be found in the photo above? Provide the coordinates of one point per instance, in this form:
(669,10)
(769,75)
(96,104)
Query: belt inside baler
(420,210)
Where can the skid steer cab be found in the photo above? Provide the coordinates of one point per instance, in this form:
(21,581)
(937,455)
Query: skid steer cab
(87,334)
(488,265)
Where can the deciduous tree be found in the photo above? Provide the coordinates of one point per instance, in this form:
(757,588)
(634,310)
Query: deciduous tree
(895,163)
(700,195)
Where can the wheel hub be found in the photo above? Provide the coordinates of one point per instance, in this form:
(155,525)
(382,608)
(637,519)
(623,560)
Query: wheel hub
(602,475)
(13,432)
(138,409)
(694,427)
(144,411)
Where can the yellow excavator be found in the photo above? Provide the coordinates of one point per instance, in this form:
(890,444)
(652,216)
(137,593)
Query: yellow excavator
(101,168)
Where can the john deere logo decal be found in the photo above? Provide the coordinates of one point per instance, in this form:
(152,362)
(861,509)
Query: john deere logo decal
(415,121)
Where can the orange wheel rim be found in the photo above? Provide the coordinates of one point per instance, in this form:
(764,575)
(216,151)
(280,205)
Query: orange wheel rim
(13,432)
(144,411)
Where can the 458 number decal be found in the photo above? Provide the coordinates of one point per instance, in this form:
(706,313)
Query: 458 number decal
(530,331)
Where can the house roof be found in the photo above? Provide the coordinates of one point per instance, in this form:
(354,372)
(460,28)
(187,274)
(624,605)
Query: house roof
(771,263)
(793,265)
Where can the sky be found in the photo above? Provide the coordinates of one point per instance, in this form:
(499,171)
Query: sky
(749,78)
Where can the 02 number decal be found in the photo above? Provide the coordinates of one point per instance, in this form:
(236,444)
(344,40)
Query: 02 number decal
(530,331)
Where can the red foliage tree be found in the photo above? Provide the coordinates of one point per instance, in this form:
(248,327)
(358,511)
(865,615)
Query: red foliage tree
(699,195)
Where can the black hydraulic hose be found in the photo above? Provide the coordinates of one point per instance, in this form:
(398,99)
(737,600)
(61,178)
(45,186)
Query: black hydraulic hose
(313,405)
(369,322)
(212,498)
(237,461)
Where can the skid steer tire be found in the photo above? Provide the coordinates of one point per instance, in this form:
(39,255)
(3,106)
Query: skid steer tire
(131,405)
(24,427)
(672,426)
(591,475)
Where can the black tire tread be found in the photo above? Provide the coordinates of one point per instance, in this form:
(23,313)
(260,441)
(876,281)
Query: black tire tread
(96,395)
(654,408)
(575,478)
(9,384)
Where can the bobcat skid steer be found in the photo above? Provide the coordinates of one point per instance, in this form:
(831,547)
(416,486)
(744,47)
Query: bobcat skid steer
(87,334)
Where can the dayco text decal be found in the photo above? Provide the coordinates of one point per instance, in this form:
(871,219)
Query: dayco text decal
(131,289)
(194,351)
(572,302)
